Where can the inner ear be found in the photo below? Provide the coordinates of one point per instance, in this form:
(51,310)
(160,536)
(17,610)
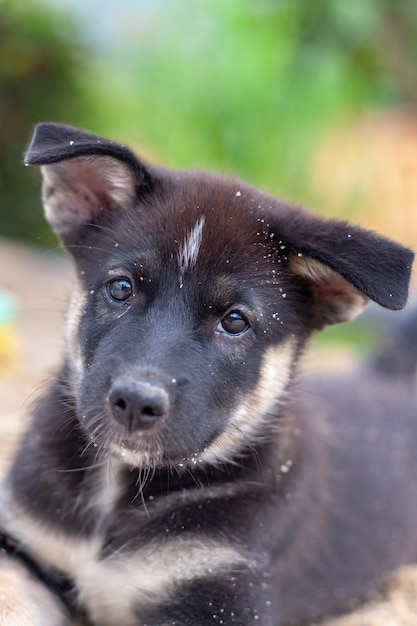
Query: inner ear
(336,299)
(83,176)
(76,191)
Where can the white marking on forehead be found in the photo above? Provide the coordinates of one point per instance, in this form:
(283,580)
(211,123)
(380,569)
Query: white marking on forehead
(188,254)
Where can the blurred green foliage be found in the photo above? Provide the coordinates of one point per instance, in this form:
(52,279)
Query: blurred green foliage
(251,85)
(39,79)
(241,86)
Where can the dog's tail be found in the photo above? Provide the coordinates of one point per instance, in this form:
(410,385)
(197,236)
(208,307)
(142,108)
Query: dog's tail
(396,354)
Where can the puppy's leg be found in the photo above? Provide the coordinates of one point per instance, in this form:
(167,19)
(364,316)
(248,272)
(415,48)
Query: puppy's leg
(24,601)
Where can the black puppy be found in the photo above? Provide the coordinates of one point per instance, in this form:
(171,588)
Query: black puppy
(169,477)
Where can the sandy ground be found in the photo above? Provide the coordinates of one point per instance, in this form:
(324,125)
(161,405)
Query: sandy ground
(41,282)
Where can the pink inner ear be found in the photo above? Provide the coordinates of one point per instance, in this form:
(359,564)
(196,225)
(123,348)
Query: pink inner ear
(75,191)
(337,299)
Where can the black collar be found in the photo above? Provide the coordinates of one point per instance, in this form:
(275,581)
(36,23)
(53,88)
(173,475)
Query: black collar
(61,586)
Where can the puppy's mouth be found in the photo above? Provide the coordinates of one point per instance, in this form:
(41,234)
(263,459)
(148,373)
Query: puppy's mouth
(138,455)
(152,448)
(109,438)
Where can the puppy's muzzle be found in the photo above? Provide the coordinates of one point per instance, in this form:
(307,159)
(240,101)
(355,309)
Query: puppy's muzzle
(137,404)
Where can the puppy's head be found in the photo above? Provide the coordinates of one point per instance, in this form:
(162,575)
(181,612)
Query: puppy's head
(194,296)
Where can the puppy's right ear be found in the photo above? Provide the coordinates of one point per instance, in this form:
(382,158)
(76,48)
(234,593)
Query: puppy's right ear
(83,176)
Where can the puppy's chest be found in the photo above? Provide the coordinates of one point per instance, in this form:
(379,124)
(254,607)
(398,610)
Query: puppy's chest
(114,589)
(140,556)
(117,585)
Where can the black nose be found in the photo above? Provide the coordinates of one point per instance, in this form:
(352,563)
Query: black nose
(137,404)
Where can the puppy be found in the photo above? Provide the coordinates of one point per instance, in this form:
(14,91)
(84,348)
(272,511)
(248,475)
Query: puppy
(172,473)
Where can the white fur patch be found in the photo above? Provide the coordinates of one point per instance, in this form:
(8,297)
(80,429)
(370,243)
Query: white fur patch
(188,254)
(247,421)
(131,458)
(113,587)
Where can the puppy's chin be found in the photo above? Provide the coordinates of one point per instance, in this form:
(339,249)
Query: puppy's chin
(152,459)
(135,457)
(133,450)
(154,448)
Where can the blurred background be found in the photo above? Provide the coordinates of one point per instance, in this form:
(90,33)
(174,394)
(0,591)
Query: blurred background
(312,101)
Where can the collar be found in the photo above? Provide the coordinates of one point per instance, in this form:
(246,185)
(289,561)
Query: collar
(61,586)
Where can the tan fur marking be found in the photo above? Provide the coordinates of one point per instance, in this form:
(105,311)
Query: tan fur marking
(312,269)
(152,574)
(76,308)
(344,300)
(24,601)
(55,548)
(122,187)
(247,419)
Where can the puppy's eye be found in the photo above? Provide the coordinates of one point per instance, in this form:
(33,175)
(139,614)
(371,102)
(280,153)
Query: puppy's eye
(120,289)
(234,323)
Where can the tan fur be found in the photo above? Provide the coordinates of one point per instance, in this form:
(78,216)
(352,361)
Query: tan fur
(54,548)
(24,601)
(346,301)
(152,574)
(51,548)
(76,307)
(248,418)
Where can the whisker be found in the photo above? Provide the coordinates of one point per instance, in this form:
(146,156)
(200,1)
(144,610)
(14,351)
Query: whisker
(82,469)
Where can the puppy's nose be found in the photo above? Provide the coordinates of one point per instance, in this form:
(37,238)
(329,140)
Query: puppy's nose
(137,404)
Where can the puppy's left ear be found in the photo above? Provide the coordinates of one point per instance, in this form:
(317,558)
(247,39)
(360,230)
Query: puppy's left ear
(83,176)
(346,266)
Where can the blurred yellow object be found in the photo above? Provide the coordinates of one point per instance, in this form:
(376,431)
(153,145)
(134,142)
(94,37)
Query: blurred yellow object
(9,335)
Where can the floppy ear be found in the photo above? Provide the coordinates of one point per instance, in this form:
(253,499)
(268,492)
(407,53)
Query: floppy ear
(83,175)
(345,266)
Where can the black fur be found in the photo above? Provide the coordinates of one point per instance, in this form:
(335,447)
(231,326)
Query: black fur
(242,499)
